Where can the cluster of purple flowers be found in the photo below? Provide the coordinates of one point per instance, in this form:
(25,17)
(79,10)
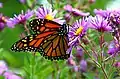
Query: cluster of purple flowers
(4,71)
(103,21)
(113,21)
(22,18)
(100,22)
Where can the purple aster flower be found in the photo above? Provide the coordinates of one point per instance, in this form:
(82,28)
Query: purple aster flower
(22,1)
(45,13)
(20,19)
(83,66)
(77,31)
(107,13)
(3,67)
(9,75)
(99,23)
(3,20)
(113,48)
(1,5)
(75,11)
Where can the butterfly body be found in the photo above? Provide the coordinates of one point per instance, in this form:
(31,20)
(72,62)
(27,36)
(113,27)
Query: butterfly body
(50,39)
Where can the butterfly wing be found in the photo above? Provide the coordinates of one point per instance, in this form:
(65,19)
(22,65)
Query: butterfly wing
(43,25)
(30,43)
(55,47)
(49,44)
(50,39)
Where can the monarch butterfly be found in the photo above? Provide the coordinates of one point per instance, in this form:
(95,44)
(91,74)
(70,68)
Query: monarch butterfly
(116,28)
(49,38)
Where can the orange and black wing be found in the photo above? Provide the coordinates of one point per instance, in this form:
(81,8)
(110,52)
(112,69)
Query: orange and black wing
(31,43)
(49,44)
(43,25)
(50,39)
(54,47)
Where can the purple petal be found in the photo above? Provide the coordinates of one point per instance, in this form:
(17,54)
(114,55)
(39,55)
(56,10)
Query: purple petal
(58,20)
(1,5)
(3,67)
(68,8)
(67,17)
(54,13)
(99,23)
(83,66)
(79,13)
(112,48)
(11,23)
(104,13)
(41,12)
(9,75)
(28,14)
(79,52)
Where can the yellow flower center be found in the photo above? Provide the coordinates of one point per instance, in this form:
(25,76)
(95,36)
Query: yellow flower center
(49,17)
(79,30)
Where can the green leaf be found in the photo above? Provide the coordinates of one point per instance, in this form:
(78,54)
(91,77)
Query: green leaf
(11,7)
(2,77)
(9,36)
(89,75)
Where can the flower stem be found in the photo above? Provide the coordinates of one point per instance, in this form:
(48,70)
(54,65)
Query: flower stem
(111,68)
(26,29)
(101,47)
(108,58)
(106,76)
(90,56)
(92,45)
(101,56)
(57,68)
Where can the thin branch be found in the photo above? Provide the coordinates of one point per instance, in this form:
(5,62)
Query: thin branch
(26,29)
(90,56)
(104,72)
